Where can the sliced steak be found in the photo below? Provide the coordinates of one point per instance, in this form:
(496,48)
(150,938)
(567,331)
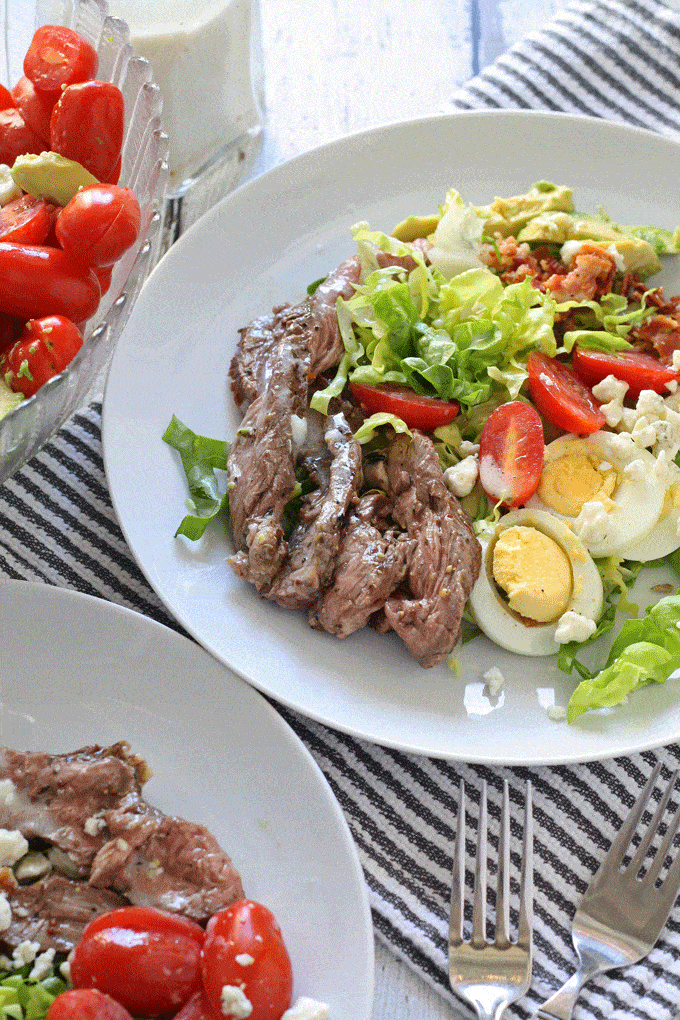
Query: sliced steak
(444,559)
(316,537)
(371,563)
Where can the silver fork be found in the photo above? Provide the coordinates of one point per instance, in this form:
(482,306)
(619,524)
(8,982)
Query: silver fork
(491,975)
(621,915)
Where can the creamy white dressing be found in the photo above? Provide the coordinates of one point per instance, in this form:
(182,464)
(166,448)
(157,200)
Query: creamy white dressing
(206,60)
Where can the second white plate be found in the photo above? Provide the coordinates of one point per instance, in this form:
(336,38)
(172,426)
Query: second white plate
(262,246)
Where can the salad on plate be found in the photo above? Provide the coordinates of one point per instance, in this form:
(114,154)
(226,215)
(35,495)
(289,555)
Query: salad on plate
(471,425)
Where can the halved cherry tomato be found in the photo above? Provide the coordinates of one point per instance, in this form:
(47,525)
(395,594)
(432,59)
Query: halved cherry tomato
(26,219)
(641,371)
(561,397)
(6,98)
(58,56)
(244,949)
(511,449)
(35,106)
(42,350)
(36,281)
(16,137)
(8,331)
(146,959)
(87,125)
(197,1008)
(99,224)
(86,1004)
(416,411)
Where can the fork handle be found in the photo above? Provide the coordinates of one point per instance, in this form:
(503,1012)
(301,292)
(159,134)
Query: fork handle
(561,1005)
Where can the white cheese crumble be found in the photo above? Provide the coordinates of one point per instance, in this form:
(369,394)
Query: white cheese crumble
(494,680)
(573,626)
(65,971)
(25,952)
(307,1009)
(7,792)
(244,959)
(235,1004)
(611,391)
(556,712)
(466,448)
(42,966)
(93,825)
(460,478)
(592,524)
(298,427)
(5,913)
(13,846)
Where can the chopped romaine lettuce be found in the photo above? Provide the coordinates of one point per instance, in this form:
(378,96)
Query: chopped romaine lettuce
(200,456)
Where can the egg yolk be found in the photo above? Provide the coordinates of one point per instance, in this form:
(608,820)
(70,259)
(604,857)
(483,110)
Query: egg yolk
(579,477)
(534,572)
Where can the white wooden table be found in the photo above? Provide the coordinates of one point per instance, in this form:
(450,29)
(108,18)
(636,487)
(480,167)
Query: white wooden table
(346,65)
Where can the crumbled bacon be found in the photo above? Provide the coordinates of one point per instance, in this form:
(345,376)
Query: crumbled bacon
(592,272)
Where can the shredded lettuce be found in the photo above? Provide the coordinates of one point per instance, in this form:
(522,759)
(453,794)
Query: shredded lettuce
(200,456)
(26,998)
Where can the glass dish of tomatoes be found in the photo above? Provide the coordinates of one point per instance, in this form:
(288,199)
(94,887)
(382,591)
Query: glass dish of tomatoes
(141,168)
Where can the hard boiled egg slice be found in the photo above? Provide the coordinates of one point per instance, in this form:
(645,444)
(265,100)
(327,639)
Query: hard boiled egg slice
(605,485)
(534,572)
(664,538)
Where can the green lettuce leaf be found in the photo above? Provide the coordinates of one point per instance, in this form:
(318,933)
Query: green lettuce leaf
(201,457)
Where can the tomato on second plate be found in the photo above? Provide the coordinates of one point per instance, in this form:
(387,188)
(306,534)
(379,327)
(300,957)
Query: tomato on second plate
(511,449)
(641,371)
(26,219)
(58,56)
(42,350)
(86,1004)
(561,397)
(144,958)
(416,411)
(244,949)
(87,125)
(99,224)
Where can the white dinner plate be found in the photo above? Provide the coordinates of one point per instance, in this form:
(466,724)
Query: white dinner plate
(262,246)
(76,670)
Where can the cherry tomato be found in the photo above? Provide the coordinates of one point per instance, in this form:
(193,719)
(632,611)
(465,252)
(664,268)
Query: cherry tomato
(197,1008)
(6,98)
(8,331)
(561,397)
(35,106)
(146,959)
(640,371)
(244,949)
(103,274)
(416,411)
(36,281)
(86,1004)
(511,449)
(58,56)
(87,125)
(99,223)
(43,349)
(16,137)
(26,219)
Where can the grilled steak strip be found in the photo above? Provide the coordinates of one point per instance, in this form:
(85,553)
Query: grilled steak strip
(444,559)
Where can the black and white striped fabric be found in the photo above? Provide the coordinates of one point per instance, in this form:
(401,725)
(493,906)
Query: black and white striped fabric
(618,59)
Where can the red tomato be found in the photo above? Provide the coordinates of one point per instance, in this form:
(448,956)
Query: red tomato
(244,949)
(86,1004)
(26,219)
(146,959)
(36,281)
(16,137)
(103,274)
(418,412)
(58,56)
(43,349)
(99,223)
(8,331)
(561,397)
(5,98)
(35,106)
(640,371)
(87,125)
(197,1008)
(511,449)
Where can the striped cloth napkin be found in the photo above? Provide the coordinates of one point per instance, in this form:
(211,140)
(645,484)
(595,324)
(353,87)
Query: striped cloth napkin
(618,59)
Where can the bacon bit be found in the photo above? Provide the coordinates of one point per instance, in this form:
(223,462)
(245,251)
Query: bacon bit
(592,272)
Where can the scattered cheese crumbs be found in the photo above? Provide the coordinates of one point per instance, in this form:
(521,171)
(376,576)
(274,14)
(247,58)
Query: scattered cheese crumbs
(574,627)
(7,792)
(13,846)
(234,1003)
(5,913)
(461,478)
(592,524)
(467,448)
(672,385)
(244,959)
(25,952)
(65,971)
(495,680)
(556,712)
(42,966)
(94,824)
(307,1009)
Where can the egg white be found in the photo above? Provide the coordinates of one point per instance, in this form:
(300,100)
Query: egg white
(506,627)
(638,502)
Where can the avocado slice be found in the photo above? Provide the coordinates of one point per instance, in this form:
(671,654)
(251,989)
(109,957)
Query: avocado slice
(414,227)
(507,216)
(555,228)
(51,176)
(8,398)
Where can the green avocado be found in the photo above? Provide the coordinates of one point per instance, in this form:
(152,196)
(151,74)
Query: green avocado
(507,216)
(414,227)
(8,398)
(555,228)
(51,176)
